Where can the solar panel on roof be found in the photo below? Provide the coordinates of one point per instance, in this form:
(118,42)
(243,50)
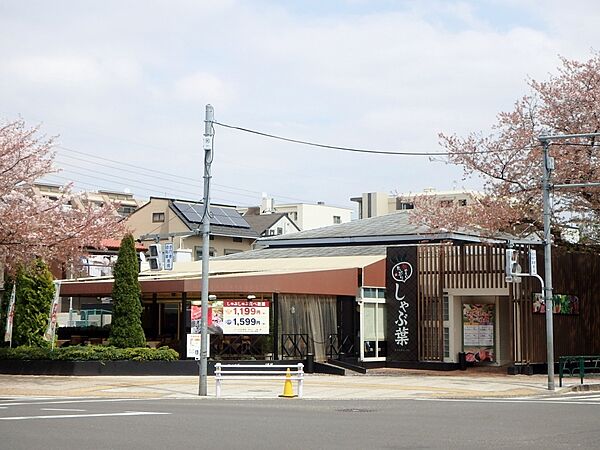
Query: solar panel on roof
(193,212)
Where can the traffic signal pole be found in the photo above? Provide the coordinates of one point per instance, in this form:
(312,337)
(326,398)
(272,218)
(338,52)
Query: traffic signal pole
(548,167)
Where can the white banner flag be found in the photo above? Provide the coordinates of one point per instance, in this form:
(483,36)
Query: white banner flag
(49,334)
(10,314)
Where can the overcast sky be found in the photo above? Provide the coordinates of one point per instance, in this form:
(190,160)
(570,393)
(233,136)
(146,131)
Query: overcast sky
(124,84)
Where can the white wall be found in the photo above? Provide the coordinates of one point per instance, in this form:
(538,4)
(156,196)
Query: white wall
(286,226)
(315,216)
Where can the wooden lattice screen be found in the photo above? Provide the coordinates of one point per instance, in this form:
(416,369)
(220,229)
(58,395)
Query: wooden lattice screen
(452,266)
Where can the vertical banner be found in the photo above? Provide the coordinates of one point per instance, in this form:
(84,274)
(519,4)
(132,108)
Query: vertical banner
(401,299)
(10,313)
(52,318)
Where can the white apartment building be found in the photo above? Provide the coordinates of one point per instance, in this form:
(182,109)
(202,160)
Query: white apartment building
(306,216)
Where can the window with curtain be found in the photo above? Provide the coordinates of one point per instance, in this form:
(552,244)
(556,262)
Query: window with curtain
(309,314)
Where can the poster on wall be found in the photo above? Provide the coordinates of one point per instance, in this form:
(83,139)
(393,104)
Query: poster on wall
(401,300)
(478,332)
(561,304)
(215,318)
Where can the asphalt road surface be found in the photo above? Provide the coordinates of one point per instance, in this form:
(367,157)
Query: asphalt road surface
(550,422)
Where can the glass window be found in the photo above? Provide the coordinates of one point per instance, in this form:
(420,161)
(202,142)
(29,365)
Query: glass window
(446,308)
(446,342)
(381,315)
(198,252)
(337,219)
(369,318)
(158,217)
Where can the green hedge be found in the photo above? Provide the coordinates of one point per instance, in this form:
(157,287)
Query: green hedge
(90,353)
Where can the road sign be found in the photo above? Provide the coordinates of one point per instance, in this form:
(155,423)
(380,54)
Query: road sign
(168,256)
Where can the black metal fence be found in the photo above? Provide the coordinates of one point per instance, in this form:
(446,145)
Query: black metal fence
(339,346)
(294,346)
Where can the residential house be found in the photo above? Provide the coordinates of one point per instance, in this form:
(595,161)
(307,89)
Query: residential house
(270,224)
(179,221)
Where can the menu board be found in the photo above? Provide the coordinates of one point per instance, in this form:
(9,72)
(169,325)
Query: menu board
(478,332)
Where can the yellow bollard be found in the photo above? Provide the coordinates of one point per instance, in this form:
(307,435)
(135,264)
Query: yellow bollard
(288,389)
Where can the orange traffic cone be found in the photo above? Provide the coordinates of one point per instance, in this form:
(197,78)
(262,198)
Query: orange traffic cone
(288,390)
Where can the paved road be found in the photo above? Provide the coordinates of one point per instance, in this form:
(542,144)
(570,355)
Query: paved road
(565,421)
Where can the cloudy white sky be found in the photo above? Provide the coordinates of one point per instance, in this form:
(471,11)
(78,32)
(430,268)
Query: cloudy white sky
(125,84)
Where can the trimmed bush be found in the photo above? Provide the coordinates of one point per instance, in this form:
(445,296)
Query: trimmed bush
(126,327)
(35,292)
(90,353)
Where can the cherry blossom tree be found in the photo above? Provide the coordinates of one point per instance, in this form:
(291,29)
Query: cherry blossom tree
(509,159)
(32,226)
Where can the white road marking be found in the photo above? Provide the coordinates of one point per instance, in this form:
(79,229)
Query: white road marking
(62,409)
(62,402)
(540,401)
(82,416)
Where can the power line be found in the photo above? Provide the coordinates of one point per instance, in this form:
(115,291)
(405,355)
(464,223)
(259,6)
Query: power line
(178,177)
(362,150)
(137,180)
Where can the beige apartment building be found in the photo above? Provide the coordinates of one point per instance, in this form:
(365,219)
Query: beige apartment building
(375,204)
(125,201)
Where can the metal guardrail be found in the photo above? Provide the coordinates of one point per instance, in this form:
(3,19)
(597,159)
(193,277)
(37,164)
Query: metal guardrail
(264,371)
(578,364)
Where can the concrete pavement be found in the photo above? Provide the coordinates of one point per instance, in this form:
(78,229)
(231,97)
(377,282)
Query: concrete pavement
(387,384)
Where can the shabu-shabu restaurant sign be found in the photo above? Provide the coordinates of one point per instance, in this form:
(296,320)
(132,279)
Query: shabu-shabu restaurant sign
(401,299)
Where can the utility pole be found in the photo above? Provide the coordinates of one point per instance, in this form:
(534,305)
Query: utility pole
(208,156)
(548,167)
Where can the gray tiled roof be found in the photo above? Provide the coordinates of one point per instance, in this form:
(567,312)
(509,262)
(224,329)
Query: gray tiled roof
(391,228)
(388,225)
(307,252)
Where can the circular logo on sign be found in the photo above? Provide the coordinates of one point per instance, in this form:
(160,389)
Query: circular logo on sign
(402,272)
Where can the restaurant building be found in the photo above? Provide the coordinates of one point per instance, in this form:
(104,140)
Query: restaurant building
(380,292)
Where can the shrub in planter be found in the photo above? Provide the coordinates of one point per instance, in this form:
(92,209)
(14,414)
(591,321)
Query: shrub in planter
(90,353)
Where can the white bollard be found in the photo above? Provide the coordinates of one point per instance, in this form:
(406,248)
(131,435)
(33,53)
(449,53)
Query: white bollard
(218,379)
(300,379)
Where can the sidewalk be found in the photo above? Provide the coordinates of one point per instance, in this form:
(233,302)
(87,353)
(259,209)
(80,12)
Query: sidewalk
(377,385)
